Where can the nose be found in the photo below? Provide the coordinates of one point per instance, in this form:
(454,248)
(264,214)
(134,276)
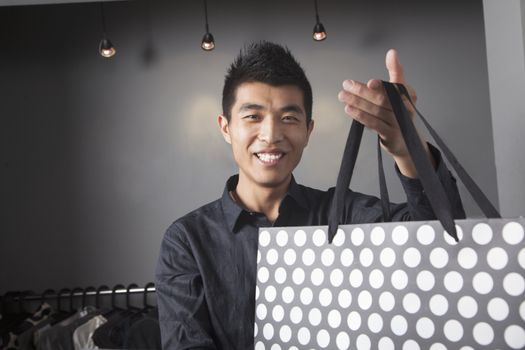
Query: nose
(271,131)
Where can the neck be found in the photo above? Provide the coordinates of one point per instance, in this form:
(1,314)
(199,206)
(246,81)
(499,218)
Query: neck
(261,199)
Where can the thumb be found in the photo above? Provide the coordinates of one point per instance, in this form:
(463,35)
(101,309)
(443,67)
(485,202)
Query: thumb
(395,69)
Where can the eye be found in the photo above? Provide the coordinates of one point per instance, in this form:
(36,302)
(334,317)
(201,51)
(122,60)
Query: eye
(290,119)
(253,117)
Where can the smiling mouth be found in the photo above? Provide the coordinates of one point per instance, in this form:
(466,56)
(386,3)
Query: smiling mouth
(269,158)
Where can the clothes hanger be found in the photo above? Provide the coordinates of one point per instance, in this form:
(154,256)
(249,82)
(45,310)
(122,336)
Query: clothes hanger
(97,295)
(24,314)
(10,316)
(113,297)
(43,299)
(21,302)
(145,306)
(72,310)
(106,312)
(59,297)
(44,309)
(84,295)
(128,294)
(60,314)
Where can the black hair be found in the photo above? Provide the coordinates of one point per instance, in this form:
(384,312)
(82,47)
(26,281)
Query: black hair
(267,63)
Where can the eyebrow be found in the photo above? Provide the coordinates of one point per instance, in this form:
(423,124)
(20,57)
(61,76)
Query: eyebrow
(253,106)
(250,107)
(292,108)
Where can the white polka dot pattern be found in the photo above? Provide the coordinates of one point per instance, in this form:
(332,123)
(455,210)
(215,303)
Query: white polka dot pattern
(438,305)
(453,330)
(411,344)
(334,318)
(345,299)
(425,234)
(498,309)
(467,306)
(387,301)
(325,297)
(306,296)
(285,334)
(354,320)
(386,344)
(377,236)
(425,327)
(363,342)
(392,286)
(483,333)
(342,341)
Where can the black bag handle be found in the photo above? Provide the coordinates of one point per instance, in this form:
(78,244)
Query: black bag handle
(431,184)
(383,190)
(475,191)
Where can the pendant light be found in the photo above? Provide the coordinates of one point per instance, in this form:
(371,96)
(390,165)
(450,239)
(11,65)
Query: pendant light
(208,43)
(319,31)
(105,47)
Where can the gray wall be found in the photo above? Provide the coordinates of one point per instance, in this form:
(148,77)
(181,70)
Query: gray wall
(99,156)
(506,67)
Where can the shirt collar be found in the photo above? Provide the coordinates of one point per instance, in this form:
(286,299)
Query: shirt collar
(296,193)
(232,210)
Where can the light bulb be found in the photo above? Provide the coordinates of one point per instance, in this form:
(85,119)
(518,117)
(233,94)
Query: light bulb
(208,43)
(319,32)
(106,48)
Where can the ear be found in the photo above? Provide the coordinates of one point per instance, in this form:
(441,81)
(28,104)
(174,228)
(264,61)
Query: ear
(225,128)
(309,131)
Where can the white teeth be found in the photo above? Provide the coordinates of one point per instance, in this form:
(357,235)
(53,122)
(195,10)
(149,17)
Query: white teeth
(269,157)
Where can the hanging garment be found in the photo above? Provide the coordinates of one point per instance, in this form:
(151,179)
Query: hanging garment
(112,335)
(59,319)
(9,340)
(8,321)
(83,335)
(60,336)
(26,340)
(29,338)
(40,315)
(144,333)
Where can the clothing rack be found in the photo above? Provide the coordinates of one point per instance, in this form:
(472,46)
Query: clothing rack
(42,321)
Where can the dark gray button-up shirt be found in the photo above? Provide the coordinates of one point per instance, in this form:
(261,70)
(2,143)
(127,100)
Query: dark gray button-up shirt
(206,272)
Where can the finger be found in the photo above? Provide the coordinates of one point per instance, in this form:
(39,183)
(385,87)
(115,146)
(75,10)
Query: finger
(374,96)
(374,84)
(412,93)
(394,67)
(364,105)
(408,105)
(370,121)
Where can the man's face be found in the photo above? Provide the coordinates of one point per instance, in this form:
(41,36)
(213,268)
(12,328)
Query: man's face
(267,131)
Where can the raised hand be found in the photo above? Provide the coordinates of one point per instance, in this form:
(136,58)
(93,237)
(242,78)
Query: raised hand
(369,105)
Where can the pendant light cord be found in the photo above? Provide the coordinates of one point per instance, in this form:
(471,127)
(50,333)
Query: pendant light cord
(316,12)
(206,15)
(103,19)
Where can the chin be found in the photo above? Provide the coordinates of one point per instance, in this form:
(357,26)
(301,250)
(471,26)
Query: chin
(273,181)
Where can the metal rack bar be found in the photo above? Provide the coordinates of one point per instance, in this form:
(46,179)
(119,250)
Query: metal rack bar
(29,297)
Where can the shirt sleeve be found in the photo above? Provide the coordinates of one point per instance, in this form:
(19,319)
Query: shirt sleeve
(183,312)
(419,207)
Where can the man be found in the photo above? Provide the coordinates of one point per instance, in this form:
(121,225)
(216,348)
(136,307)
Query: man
(206,274)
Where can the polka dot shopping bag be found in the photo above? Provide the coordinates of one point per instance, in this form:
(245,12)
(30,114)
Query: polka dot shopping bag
(435,285)
(392,286)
